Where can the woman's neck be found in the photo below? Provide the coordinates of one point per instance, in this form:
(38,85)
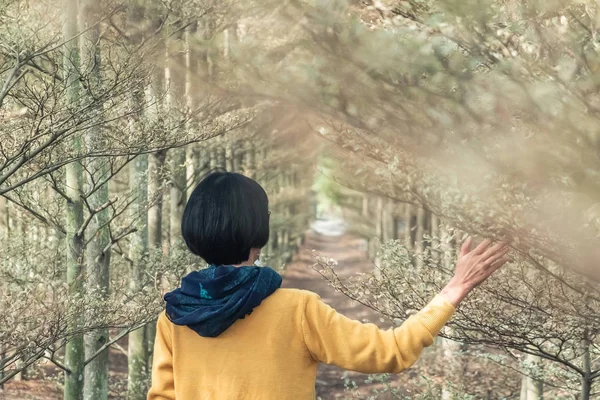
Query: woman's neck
(253,256)
(244,264)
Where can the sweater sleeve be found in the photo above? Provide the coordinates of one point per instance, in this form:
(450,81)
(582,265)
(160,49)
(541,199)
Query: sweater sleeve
(334,339)
(163,383)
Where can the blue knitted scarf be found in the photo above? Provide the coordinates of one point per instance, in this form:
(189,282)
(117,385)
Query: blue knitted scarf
(210,300)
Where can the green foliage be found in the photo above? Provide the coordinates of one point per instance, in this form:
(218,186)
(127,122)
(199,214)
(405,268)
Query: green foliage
(328,191)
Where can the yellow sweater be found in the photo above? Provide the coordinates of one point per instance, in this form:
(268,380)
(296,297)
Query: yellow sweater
(273,353)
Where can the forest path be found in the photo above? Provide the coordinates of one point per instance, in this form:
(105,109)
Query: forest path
(350,252)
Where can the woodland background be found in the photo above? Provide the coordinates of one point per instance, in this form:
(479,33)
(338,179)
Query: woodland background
(416,121)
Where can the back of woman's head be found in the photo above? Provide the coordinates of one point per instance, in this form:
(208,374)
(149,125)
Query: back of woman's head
(226,216)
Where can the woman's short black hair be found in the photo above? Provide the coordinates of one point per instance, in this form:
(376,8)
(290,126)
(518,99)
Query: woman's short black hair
(226,215)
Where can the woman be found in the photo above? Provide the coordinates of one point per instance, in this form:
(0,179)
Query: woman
(230,332)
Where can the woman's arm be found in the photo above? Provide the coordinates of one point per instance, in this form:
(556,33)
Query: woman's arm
(163,384)
(334,339)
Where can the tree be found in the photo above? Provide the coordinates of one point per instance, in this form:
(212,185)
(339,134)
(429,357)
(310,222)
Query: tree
(138,342)
(74,351)
(95,382)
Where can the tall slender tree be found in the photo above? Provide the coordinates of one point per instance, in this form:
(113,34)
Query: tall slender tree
(191,151)
(156,166)
(138,344)
(175,157)
(4,237)
(74,352)
(531,388)
(97,172)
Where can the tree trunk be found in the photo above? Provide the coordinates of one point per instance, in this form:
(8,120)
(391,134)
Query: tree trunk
(250,161)
(453,367)
(447,246)
(420,230)
(271,249)
(74,352)
(534,389)
(210,53)
(237,157)
(435,238)
(202,162)
(156,164)
(98,260)
(137,346)
(176,169)
(4,220)
(524,383)
(449,348)
(177,192)
(191,163)
(586,378)
(191,154)
(409,220)
(212,155)
(396,223)
(531,389)
(418,241)
(387,221)
(229,156)
(365,206)
(155,192)
(16,226)
(4,237)
(379,219)
(221,153)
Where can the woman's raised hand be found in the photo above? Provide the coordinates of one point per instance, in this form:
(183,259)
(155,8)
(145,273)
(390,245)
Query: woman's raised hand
(473,267)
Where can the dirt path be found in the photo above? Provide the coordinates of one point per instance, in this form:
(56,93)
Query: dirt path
(349,251)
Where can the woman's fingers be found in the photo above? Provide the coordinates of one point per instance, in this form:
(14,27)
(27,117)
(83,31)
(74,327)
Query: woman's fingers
(466,247)
(493,265)
(499,263)
(497,248)
(495,257)
(482,246)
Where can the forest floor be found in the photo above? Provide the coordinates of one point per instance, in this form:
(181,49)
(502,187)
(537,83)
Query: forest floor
(348,250)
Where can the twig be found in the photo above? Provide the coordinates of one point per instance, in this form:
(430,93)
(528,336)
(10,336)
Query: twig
(56,362)
(114,340)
